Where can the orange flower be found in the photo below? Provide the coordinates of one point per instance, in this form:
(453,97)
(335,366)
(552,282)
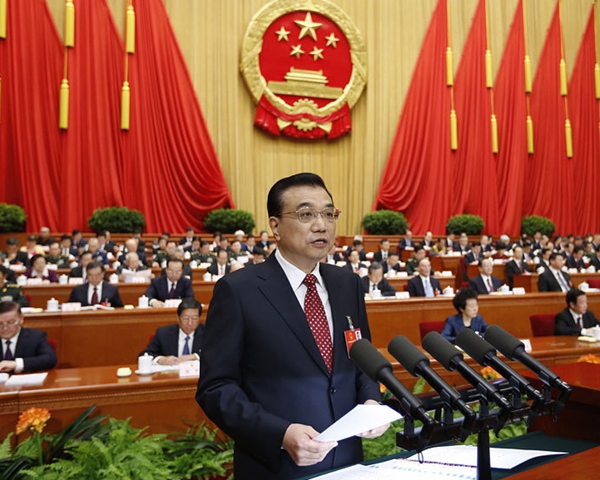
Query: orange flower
(33,419)
(589,358)
(382,388)
(489,373)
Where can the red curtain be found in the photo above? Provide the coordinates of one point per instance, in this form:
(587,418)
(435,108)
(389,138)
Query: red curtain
(511,110)
(583,108)
(417,177)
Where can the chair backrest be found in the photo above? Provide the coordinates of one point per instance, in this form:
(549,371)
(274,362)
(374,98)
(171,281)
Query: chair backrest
(542,325)
(426,327)
(593,282)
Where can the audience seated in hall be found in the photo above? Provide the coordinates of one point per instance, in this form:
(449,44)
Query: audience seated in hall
(93,246)
(427,241)
(131,265)
(105,244)
(412,262)
(475,255)
(239,235)
(515,266)
(96,291)
(406,242)
(485,282)
(78,241)
(354,264)
(162,256)
(576,318)
(13,255)
(31,247)
(221,266)
(179,342)
(10,291)
(171,285)
(463,244)
(131,245)
(45,239)
(374,280)
(439,248)
(467,316)
(554,279)
(194,247)
(258,256)
(382,254)
(39,269)
(179,254)
(575,260)
(424,285)
(55,256)
(67,248)
(333,256)
(204,255)
(236,252)
(392,264)
(187,240)
(80,270)
(357,246)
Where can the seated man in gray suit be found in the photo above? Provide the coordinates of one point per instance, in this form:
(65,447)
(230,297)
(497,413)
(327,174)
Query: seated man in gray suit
(179,342)
(23,349)
(576,318)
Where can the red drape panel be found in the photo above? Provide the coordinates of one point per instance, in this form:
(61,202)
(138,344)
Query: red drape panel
(474,164)
(583,108)
(551,188)
(31,74)
(92,145)
(511,112)
(417,176)
(171,170)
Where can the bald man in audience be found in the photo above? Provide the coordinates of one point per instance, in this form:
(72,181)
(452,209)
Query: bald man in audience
(424,285)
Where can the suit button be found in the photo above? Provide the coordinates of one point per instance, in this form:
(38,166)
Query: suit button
(333,390)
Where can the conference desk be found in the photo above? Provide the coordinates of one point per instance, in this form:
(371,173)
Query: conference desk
(530,282)
(163,401)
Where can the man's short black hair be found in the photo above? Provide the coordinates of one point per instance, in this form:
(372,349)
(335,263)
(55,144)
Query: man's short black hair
(573,295)
(189,302)
(275,196)
(553,255)
(10,307)
(93,265)
(375,266)
(12,241)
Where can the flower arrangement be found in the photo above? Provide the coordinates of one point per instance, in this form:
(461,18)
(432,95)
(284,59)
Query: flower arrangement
(589,358)
(34,419)
(489,373)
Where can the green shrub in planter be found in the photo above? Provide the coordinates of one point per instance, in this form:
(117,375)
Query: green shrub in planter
(116,220)
(227,220)
(467,223)
(535,223)
(12,218)
(385,222)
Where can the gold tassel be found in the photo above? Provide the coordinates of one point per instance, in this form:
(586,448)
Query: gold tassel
(449,67)
(125,105)
(130,30)
(569,138)
(529,135)
(2,18)
(63,115)
(563,77)
(527,74)
(597,79)
(453,130)
(69,24)
(494,134)
(489,80)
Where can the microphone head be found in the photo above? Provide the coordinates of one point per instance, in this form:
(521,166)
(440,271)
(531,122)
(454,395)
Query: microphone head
(368,358)
(503,341)
(441,349)
(406,353)
(475,346)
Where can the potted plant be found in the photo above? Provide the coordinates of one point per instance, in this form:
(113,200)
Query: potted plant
(228,220)
(116,220)
(465,223)
(385,222)
(12,218)
(535,223)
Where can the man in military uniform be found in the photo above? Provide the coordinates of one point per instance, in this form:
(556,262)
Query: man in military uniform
(11,292)
(55,256)
(204,255)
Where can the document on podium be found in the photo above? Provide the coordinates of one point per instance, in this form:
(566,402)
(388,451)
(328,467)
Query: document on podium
(361,418)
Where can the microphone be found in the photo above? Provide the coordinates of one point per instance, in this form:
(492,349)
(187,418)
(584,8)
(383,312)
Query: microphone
(377,368)
(417,364)
(484,354)
(451,359)
(514,349)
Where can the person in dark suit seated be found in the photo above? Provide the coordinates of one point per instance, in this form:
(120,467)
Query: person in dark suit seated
(258,256)
(45,239)
(96,291)
(13,254)
(79,241)
(39,269)
(137,234)
(204,255)
(375,281)
(131,265)
(80,271)
(24,350)
(576,318)
(575,260)
(67,248)
(131,245)
(221,266)
(485,282)
(97,254)
(171,285)
(180,342)
(406,242)
(55,256)
(543,260)
(475,255)
(515,266)
(354,264)
(105,244)
(10,291)
(463,244)
(265,379)
(382,254)
(554,279)
(357,246)
(424,285)
(465,303)
(333,256)
(427,242)
(451,244)
(392,263)
(413,261)
(595,260)
(189,237)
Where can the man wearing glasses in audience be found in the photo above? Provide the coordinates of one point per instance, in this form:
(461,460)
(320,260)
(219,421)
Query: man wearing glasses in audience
(24,350)
(180,342)
(169,286)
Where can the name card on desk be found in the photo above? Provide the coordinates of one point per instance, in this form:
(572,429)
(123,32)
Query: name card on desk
(75,281)
(402,295)
(518,291)
(172,302)
(71,307)
(189,369)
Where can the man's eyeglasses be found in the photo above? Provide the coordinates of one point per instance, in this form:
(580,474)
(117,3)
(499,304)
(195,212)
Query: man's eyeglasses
(189,319)
(10,323)
(310,214)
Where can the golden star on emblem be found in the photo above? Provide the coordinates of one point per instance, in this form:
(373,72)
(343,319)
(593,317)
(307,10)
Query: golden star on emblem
(332,40)
(308,27)
(282,33)
(317,53)
(297,50)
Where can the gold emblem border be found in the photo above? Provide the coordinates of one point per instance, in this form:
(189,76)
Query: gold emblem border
(252,46)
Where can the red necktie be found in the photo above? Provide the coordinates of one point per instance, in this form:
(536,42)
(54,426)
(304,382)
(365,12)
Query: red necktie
(172,291)
(8,355)
(491,287)
(95,296)
(579,322)
(317,320)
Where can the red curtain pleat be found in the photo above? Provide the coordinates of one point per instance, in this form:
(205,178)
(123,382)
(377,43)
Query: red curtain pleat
(583,108)
(511,111)
(170,165)
(475,185)
(550,191)
(417,177)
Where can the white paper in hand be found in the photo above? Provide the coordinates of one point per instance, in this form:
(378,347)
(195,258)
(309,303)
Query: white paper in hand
(361,418)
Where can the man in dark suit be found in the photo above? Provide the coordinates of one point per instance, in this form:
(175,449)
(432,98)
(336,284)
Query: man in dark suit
(105,244)
(406,242)
(475,255)
(180,342)
(13,254)
(265,378)
(171,285)
(96,291)
(80,270)
(515,266)
(595,260)
(485,282)
(576,318)
(382,254)
(392,263)
(424,285)
(554,279)
(221,266)
(10,291)
(575,260)
(375,281)
(23,350)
